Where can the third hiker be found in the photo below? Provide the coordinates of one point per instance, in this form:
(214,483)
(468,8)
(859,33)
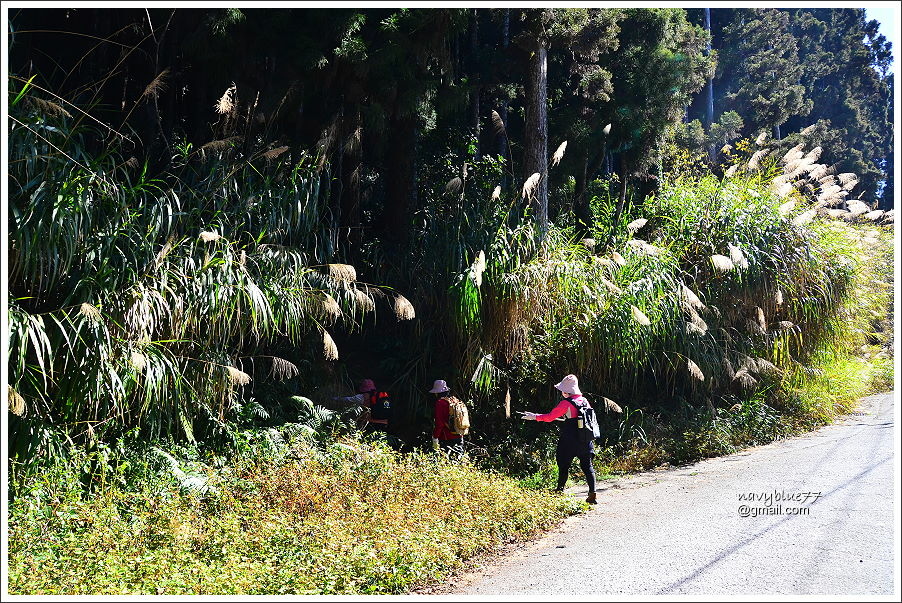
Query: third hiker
(443,437)
(570,444)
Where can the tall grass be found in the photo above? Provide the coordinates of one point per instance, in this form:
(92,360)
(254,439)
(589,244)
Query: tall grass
(152,301)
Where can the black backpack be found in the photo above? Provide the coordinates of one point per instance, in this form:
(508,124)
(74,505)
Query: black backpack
(586,422)
(380,406)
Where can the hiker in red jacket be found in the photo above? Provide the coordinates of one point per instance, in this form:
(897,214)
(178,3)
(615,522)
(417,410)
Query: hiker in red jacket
(568,445)
(377,408)
(442,436)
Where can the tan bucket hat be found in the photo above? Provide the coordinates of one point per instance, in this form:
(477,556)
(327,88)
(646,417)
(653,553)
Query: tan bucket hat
(439,387)
(569,385)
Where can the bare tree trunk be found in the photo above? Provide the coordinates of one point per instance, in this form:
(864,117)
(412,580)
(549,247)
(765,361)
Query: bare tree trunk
(350,177)
(580,204)
(536,152)
(399,166)
(709,104)
(621,202)
(505,42)
(474,80)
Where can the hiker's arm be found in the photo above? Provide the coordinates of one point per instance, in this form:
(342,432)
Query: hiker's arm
(359,399)
(558,411)
(441,417)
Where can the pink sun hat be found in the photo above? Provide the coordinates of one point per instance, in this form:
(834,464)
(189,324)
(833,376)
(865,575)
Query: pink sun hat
(569,385)
(439,387)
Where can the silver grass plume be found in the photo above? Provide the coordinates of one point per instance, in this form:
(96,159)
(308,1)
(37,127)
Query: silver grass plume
(16,401)
(283,369)
(530,185)
(618,259)
(755,161)
(611,406)
(558,154)
(137,360)
(728,369)
(857,208)
(875,215)
(731,171)
(403,308)
(238,377)
(847,177)
(761,138)
(694,370)
(778,297)
(745,380)
(498,124)
(786,208)
(273,153)
(689,298)
(364,300)
(496,194)
(639,316)
(90,312)
(803,218)
(331,307)
(208,237)
(818,171)
(157,85)
(794,154)
(225,104)
(606,130)
(48,107)
(453,186)
(343,272)
(330,350)
(737,257)
(636,225)
(611,286)
(478,267)
(722,262)
(814,154)
(695,326)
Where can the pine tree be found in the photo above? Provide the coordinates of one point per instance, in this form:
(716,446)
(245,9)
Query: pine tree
(760,68)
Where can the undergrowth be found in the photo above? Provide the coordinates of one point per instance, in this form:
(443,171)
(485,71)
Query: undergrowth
(347,518)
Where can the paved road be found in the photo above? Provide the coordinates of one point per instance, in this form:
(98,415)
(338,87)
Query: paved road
(680,531)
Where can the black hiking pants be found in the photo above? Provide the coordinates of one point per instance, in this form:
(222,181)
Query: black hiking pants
(567,450)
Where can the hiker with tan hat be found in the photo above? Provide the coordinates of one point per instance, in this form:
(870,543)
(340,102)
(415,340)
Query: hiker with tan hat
(449,431)
(570,444)
(376,406)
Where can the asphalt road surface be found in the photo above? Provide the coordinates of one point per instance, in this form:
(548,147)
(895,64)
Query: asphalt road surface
(690,531)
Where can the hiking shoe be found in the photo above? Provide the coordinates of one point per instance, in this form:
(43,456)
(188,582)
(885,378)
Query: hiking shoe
(591,499)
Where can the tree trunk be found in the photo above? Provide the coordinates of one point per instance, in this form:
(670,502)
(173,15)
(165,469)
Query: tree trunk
(350,177)
(473,79)
(399,164)
(536,144)
(502,138)
(581,207)
(621,202)
(709,104)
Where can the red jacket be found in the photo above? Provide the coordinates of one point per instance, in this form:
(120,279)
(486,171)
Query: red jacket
(442,414)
